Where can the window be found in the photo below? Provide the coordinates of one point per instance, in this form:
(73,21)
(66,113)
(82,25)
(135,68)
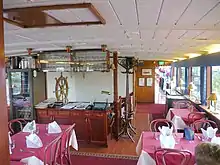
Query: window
(216,83)
(182,78)
(196,81)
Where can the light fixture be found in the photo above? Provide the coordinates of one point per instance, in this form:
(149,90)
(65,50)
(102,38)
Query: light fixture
(180,58)
(192,55)
(29,50)
(68,48)
(104,47)
(214,48)
(212,97)
(44,61)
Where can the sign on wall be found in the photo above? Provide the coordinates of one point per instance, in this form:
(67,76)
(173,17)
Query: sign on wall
(146,72)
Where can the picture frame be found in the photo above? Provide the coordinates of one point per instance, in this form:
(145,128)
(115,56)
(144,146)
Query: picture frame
(146,72)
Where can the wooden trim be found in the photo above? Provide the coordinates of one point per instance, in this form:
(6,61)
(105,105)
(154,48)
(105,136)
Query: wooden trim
(208,81)
(66,24)
(88,6)
(116,106)
(4,149)
(97,14)
(50,7)
(190,74)
(13,23)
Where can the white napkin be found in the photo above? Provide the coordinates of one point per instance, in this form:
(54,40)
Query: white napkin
(167,141)
(32,161)
(210,132)
(166,131)
(9,142)
(216,140)
(33,141)
(54,128)
(30,127)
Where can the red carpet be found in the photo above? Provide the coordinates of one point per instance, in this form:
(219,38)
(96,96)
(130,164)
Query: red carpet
(150,108)
(87,160)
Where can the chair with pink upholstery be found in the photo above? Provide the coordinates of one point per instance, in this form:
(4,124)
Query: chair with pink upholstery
(194,116)
(161,122)
(203,123)
(15,124)
(172,157)
(65,149)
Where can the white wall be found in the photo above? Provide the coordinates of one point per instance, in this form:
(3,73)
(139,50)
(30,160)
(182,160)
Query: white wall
(51,83)
(89,86)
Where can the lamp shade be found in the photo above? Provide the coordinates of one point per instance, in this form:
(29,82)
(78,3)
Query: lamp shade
(212,97)
(191,87)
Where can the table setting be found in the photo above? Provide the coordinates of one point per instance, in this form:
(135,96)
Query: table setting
(28,145)
(149,142)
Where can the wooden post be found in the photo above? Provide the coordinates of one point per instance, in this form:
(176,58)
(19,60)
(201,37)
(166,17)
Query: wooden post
(115,82)
(4,147)
(208,81)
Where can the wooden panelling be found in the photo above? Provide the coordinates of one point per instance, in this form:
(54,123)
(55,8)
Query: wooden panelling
(145,94)
(4,149)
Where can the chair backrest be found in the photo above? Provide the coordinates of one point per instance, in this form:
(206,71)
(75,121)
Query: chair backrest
(194,116)
(65,138)
(13,127)
(161,122)
(52,152)
(182,104)
(203,123)
(172,157)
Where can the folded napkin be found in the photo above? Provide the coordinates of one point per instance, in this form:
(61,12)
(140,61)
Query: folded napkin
(54,128)
(33,141)
(166,131)
(216,140)
(210,132)
(167,141)
(30,127)
(10,142)
(32,161)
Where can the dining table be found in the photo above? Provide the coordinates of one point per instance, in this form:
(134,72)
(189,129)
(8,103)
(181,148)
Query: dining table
(179,117)
(148,144)
(20,150)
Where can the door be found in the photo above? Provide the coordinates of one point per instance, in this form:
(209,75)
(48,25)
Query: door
(145,82)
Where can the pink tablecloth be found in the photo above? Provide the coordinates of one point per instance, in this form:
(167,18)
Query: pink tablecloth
(148,144)
(21,151)
(16,163)
(183,113)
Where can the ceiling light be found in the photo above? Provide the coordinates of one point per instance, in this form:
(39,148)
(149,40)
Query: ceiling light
(44,61)
(214,48)
(192,55)
(180,58)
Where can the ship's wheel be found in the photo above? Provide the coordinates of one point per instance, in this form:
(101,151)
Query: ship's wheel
(61,88)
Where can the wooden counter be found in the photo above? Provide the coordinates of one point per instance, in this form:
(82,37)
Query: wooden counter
(91,125)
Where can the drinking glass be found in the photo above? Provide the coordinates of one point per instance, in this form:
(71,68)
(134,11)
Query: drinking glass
(156,135)
(13,144)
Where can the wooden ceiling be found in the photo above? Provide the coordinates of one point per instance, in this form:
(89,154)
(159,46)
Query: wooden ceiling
(150,29)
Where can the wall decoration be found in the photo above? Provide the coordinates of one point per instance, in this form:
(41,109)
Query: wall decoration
(141,82)
(61,89)
(146,72)
(149,82)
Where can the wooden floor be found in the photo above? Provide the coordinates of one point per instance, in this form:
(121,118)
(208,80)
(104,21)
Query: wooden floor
(124,146)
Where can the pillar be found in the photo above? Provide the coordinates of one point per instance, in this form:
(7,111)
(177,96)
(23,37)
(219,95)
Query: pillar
(4,149)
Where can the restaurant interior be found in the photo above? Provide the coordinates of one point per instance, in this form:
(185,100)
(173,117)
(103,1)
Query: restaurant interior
(123,82)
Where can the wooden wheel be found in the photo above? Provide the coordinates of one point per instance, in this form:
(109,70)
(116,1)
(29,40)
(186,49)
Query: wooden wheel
(61,88)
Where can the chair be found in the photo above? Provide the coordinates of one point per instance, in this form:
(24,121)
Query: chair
(52,152)
(65,148)
(172,157)
(161,122)
(203,123)
(182,104)
(13,128)
(194,116)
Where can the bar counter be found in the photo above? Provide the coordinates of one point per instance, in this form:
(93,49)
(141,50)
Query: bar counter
(91,125)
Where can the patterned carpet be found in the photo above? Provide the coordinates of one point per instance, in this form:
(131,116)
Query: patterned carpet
(84,158)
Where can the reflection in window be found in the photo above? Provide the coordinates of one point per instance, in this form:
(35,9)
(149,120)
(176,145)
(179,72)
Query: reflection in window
(216,83)
(196,81)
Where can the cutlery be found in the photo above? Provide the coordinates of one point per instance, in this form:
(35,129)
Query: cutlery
(21,150)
